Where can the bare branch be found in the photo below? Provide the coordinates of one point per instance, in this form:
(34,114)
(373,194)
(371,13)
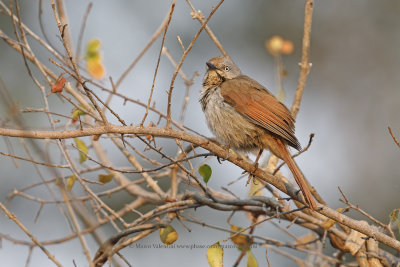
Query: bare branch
(304,65)
(34,239)
(158,62)
(171,87)
(394,138)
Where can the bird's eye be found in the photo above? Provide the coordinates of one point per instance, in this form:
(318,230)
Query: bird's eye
(226,68)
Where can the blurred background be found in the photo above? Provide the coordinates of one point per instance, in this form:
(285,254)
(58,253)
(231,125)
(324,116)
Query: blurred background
(352,95)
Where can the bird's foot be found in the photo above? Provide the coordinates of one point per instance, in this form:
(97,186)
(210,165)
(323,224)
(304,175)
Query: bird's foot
(255,167)
(251,173)
(251,176)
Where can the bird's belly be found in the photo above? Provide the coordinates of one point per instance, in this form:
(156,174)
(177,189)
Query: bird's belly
(230,127)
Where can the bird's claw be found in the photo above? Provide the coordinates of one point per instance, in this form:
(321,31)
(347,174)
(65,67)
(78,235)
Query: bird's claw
(227,154)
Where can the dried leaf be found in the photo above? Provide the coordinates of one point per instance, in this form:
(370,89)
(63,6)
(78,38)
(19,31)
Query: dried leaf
(305,239)
(355,241)
(58,86)
(240,240)
(83,150)
(215,255)
(105,178)
(336,242)
(168,235)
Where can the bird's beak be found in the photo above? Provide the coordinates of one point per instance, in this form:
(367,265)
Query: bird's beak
(211,66)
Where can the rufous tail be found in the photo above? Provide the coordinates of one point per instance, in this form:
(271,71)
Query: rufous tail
(298,176)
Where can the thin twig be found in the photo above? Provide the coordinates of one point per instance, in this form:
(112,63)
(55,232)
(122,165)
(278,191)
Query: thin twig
(188,83)
(28,233)
(394,138)
(83,26)
(171,87)
(156,34)
(304,65)
(197,15)
(158,61)
(354,207)
(35,162)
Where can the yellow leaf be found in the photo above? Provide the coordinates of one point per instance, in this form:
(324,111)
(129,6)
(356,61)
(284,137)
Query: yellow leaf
(95,68)
(329,223)
(94,62)
(168,235)
(70,182)
(83,150)
(105,178)
(251,260)
(240,240)
(215,255)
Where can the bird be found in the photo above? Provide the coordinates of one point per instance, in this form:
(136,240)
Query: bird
(245,116)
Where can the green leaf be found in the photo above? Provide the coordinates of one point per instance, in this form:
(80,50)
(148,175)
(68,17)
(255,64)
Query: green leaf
(83,150)
(168,235)
(93,48)
(77,112)
(215,255)
(105,178)
(205,172)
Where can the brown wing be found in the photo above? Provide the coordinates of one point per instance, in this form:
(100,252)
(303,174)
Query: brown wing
(253,101)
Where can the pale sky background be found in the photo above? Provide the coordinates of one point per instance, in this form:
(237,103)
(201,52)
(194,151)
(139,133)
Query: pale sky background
(352,95)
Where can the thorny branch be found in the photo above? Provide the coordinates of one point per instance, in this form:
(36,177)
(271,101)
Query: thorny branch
(146,150)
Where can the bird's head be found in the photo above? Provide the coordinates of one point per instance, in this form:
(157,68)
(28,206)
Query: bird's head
(223,67)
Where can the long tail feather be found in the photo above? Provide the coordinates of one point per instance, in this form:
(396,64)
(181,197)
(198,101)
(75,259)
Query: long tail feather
(298,176)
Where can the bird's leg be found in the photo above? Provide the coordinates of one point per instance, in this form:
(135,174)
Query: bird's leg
(257,159)
(255,166)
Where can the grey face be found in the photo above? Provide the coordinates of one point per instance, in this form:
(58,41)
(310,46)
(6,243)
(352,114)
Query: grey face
(224,67)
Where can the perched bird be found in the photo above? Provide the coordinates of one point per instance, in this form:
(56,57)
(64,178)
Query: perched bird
(244,115)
